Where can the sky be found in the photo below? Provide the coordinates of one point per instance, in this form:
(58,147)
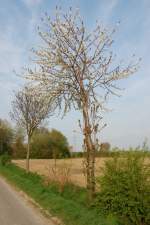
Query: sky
(128,119)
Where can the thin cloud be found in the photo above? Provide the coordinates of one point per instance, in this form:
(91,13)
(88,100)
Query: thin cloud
(30,3)
(10,56)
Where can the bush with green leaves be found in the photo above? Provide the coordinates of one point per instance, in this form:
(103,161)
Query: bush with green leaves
(5,159)
(125,190)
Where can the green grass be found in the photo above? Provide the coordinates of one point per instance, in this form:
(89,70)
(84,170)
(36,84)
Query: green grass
(70,206)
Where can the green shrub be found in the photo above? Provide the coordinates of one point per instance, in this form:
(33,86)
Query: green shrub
(5,159)
(125,190)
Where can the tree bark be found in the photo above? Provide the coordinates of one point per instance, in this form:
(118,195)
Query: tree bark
(90,153)
(1,147)
(28,155)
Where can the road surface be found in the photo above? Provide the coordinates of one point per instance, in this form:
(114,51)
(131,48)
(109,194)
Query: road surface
(16,210)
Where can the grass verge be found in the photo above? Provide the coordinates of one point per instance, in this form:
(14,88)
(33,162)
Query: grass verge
(70,206)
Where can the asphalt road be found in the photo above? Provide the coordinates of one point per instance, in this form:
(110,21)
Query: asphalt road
(16,210)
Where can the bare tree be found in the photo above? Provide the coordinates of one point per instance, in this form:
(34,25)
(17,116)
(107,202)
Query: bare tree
(29,109)
(77,66)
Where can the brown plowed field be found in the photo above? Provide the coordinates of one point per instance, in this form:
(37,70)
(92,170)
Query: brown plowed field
(76,167)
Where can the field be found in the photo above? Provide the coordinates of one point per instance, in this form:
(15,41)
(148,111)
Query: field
(75,167)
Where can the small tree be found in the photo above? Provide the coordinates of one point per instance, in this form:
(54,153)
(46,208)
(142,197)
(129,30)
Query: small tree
(77,66)
(29,109)
(6,137)
(18,146)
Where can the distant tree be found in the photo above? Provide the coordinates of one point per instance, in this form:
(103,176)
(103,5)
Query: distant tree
(6,137)
(49,144)
(60,146)
(145,146)
(29,109)
(41,144)
(105,147)
(77,66)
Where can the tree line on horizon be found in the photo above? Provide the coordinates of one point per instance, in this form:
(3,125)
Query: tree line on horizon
(45,143)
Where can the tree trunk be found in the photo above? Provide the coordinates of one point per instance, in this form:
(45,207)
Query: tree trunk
(55,161)
(90,153)
(1,147)
(28,155)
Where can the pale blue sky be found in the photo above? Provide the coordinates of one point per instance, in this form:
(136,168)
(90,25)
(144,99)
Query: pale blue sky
(128,123)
